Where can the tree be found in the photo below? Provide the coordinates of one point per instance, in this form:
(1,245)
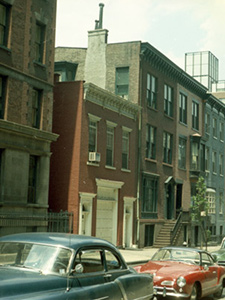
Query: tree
(200,208)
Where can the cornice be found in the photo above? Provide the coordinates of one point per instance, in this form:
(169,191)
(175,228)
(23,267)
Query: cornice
(110,101)
(30,132)
(165,65)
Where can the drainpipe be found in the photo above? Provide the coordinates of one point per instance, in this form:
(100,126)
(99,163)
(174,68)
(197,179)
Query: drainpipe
(139,151)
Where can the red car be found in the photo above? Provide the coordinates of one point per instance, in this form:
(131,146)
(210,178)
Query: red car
(184,273)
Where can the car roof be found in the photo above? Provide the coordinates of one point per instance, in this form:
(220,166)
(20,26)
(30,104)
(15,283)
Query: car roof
(74,241)
(183,248)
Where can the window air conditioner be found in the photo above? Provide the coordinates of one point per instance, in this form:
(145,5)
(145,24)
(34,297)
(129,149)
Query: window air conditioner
(94,156)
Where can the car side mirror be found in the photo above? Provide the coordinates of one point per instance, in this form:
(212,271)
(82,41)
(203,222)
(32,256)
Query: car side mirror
(206,267)
(78,269)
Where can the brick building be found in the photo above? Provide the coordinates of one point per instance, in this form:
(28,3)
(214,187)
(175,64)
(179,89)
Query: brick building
(171,128)
(94,162)
(27,39)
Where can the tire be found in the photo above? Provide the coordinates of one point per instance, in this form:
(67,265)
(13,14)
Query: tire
(219,293)
(194,293)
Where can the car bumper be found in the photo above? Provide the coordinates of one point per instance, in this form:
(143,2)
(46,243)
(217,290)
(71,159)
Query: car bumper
(169,292)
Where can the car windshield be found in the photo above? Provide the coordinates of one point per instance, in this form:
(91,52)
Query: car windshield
(44,258)
(185,255)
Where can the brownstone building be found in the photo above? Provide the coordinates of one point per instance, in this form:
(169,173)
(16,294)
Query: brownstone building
(27,39)
(94,165)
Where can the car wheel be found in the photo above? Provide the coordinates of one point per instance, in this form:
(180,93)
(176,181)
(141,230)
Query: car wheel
(219,293)
(194,293)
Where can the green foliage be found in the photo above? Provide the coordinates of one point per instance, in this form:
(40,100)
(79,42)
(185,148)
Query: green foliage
(200,206)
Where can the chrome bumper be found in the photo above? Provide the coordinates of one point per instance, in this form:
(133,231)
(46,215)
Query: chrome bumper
(168,292)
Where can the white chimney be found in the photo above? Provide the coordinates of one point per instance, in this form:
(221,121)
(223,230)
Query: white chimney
(95,63)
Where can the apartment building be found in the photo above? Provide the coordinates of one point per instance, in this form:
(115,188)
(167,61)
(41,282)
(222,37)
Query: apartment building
(27,40)
(171,142)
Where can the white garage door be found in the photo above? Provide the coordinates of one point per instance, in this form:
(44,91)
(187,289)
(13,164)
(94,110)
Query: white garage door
(105,224)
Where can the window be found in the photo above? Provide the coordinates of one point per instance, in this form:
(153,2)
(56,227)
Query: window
(150,142)
(207,123)
(40,42)
(195,115)
(112,262)
(183,108)
(122,82)
(167,147)
(168,100)
(210,196)
(221,164)
(36,108)
(214,127)
(151,91)
(2,96)
(150,188)
(221,203)
(221,131)
(194,156)
(92,147)
(125,149)
(91,261)
(4,24)
(182,153)
(207,159)
(32,180)
(110,146)
(214,162)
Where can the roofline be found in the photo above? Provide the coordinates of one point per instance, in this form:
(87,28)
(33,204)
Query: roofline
(160,61)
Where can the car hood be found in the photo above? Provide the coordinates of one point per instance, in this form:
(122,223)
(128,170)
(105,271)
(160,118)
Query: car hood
(168,269)
(16,281)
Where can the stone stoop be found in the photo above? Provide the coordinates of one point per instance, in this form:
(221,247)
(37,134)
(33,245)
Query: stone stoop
(163,238)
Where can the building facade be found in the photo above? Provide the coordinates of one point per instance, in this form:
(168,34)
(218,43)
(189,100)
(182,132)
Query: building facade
(26,98)
(171,142)
(94,162)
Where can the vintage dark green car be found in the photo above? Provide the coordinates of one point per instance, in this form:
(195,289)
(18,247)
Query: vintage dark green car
(44,266)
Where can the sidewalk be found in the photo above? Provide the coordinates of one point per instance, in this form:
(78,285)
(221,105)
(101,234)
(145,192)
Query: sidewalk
(139,256)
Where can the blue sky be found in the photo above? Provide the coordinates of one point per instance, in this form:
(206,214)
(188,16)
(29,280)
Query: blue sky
(174,27)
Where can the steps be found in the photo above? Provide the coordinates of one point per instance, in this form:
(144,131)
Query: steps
(163,238)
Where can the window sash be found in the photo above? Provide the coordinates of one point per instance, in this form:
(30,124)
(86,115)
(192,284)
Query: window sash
(122,81)
(195,115)
(36,108)
(150,142)
(92,144)
(183,108)
(168,100)
(109,146)
(39,42)
(151,91)
(221,131)
(125,149)
(150,189)
(32,180)
(167,147)
(4,12)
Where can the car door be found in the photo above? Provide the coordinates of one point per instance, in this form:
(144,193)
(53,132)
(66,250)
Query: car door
(114,266)
(210,274)
(89,270)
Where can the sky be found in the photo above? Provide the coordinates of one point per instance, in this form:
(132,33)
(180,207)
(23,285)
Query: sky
(174,27)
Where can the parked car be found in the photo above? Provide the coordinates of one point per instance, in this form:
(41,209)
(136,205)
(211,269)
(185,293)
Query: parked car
(219,255)
(44,266)
(185,273)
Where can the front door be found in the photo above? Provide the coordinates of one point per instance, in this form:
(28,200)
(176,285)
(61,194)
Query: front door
(169,198)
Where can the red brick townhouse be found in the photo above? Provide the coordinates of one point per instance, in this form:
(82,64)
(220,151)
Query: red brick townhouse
(94,162)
